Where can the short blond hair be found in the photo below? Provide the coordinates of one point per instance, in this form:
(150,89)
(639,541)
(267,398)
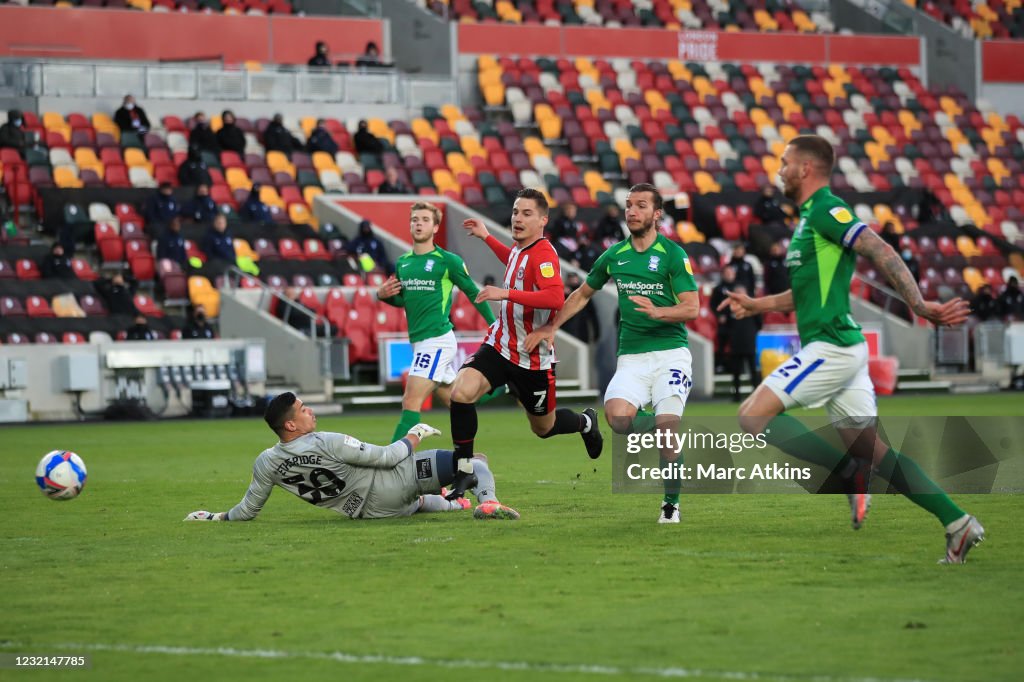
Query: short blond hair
(426,206)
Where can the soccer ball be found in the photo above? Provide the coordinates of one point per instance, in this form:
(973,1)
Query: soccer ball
(61,475)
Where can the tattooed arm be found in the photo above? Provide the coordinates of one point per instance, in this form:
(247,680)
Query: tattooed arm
(872,247)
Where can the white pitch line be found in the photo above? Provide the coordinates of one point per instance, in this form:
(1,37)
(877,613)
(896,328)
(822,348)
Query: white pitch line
(527,666)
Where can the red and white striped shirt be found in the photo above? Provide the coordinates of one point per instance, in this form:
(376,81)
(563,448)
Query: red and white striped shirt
(534,280)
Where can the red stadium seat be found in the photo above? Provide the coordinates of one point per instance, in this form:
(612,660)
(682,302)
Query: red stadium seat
(147,306)
(84,270)
(27,269)
(37,306)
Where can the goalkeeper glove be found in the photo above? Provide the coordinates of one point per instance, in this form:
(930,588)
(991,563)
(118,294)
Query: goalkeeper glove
(422,431)
(206,516)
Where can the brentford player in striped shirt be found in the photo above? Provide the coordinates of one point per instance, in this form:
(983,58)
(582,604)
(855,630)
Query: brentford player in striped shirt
(530,295)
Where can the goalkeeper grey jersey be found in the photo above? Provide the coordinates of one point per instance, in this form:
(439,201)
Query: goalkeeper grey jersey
(329,470)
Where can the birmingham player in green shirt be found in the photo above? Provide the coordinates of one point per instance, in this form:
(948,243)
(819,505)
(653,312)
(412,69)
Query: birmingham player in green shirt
(831,369)
(657,295)
(423,284)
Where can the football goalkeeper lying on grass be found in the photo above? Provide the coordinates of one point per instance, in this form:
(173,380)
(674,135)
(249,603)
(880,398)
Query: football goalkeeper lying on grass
(359,480)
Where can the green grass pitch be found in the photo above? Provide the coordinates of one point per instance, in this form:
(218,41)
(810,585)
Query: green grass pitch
(585,587)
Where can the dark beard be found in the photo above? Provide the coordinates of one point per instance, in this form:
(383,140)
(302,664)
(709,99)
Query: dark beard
(642,232)
(790,194)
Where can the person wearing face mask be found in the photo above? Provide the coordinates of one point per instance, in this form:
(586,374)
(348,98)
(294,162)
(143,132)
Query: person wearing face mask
(230,137)
(200,208)
(194,171)
(321,57)
(198,327)
(131,118)
(12,136)
(202,135)
(161,207)
(908,259)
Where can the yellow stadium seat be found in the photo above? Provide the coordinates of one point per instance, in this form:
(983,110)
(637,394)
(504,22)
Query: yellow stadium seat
(310,193)
(625,149)
(534,146)
(144,5)
(458,163)
(237,178)
(998,169)
(705,182)
(452,113)
(973,278)
(787,132)
(54,121)
(444,180)
(949,105)
(488,77)
(244,250)
(85,159)
(771,166)
(471,147)
(300,215)
(270,197)
(65,305)
(966,246)
(278,162)
(705,151)
(494,95)
(136,157)
(421,128)
(201,292)
(486,62)
(66,177)
(688,232)
(882,135)
(307,123)
(380,128)
(678,71)
(322,160)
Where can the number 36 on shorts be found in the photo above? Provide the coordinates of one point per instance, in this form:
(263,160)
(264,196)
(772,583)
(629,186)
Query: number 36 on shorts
(679,381)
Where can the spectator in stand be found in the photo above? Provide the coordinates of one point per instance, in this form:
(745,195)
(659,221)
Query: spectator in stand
(744,270)
(118,295)
(366,142)
(742,349)
(161,207)
(725,317)
(276,137)
(194,171)
(915,268)
(254,210)
(367,244)
(370,56)
(56,264)
(217,242)
(131,118)
(320,140)
(776,274)
(587,254)
(392,183)
(564,232)
(321,57)
(202,135)
(584,325)
(200,208)
(1011,301)
(678,208)
(767,208)
(890,236)
(609,229)
(171,245)
(12,135)
(984,305)
(230,137)
(198,327)
(140,331)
